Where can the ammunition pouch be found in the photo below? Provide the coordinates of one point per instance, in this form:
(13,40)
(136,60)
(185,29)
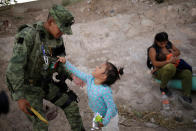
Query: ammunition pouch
(64,89)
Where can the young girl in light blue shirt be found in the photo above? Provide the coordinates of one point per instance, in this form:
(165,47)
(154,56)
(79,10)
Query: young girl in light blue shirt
(98,89)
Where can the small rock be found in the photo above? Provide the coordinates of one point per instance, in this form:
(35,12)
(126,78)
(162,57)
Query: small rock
(178,116)
(134,1)
(170,8)
(193,12)
(82,9)
(152,120)
(151,125)
(140,101)
(89,1)
(146,22)
(194,121)
(112,11)
(166,113)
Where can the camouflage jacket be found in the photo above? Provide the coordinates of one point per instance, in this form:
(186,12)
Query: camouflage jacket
(27,62)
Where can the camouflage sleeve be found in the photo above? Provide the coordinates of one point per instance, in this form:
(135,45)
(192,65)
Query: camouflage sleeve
(15,71)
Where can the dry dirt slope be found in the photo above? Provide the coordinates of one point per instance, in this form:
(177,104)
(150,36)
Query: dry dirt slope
(118,30)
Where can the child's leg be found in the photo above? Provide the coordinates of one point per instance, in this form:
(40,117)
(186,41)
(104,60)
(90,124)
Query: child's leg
(113,125)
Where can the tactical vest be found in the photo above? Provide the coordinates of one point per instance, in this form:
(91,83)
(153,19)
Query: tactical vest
(35,69)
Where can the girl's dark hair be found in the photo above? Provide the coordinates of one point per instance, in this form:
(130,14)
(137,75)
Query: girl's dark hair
(112,73)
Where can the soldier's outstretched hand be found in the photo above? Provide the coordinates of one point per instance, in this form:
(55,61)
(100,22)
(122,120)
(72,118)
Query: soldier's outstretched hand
(23,105)
(61,59)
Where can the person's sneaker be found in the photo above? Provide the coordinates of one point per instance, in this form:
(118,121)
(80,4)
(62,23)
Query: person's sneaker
(167,91)
(186,102)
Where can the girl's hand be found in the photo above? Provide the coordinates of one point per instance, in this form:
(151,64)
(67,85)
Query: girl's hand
(100,125)
(61,59)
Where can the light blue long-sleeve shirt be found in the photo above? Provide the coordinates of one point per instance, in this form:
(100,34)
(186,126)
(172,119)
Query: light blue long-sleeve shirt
(100,96)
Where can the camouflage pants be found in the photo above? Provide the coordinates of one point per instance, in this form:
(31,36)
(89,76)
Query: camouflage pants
(35,96)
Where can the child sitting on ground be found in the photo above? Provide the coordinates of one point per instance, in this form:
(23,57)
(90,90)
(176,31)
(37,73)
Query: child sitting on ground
(99,91)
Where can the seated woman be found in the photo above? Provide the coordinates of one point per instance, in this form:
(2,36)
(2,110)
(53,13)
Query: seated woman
(164,58)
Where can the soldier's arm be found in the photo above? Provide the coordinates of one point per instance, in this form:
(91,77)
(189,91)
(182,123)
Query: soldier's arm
(15,71)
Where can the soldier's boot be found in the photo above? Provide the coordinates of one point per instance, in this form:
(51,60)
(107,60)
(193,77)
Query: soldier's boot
(73,116)
(71,111)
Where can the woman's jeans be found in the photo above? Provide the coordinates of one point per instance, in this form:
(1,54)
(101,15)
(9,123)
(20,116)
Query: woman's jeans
(169,72)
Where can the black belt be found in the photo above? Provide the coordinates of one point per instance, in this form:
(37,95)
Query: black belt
(72,97)
(58,95)
(64,89)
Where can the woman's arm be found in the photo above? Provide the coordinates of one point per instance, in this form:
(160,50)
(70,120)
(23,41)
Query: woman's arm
(152,55)
(176,51)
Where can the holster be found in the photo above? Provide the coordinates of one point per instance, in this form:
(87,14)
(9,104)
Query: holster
(64,89)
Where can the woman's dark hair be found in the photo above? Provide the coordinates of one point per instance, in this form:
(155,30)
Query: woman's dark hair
(112,73)
(161,37)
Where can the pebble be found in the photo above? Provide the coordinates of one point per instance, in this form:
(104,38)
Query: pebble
(152,120)
(194,121)
(151,125)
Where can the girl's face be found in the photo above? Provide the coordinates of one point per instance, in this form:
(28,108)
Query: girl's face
(99,72)
(162,44)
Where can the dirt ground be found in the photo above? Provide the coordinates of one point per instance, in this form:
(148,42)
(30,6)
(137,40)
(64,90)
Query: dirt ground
(121,31)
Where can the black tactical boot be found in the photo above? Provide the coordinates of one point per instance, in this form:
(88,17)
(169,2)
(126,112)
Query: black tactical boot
(186,102)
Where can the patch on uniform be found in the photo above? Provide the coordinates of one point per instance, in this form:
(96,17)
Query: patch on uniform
(20,40)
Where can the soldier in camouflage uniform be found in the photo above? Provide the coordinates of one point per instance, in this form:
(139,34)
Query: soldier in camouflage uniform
(30,70)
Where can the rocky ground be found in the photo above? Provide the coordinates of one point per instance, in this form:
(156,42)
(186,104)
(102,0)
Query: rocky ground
(121,31)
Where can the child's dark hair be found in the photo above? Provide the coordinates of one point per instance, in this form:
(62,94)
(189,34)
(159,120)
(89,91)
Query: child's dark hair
(112,73)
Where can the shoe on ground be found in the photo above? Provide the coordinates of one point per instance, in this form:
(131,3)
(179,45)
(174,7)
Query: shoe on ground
(186,102)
